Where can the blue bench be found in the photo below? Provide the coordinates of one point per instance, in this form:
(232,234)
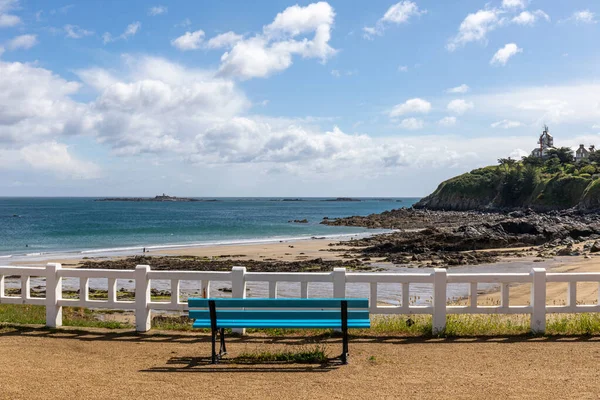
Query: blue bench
(219,314)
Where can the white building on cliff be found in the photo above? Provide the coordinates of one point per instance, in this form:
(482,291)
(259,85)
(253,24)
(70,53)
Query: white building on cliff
(582,153)
(546,142)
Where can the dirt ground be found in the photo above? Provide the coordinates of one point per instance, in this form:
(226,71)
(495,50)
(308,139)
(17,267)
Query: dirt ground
(98,364)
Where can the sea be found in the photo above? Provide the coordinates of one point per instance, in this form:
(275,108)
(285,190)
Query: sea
(38,227)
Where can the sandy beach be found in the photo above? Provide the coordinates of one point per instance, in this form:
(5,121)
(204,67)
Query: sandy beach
(293,250)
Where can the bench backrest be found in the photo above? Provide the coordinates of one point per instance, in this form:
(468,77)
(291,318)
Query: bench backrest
(279,309)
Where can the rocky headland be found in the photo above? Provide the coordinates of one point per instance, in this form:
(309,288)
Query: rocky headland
(555,183)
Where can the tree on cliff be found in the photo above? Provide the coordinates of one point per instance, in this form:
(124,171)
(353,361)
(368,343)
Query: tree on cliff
(564,155)
(533,161)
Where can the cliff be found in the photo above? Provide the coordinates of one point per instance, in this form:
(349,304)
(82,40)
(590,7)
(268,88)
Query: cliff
(517,186)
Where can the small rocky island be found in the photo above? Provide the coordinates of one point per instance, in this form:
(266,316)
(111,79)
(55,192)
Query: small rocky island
(160,198)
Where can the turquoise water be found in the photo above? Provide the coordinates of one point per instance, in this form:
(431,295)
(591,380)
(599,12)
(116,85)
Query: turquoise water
(55,225)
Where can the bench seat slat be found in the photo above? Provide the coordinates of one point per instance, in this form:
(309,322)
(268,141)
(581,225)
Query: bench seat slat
(315,324)
(278,303)
(278,314)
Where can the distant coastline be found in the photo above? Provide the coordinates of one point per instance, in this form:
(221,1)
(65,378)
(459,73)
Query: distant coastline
(161,198)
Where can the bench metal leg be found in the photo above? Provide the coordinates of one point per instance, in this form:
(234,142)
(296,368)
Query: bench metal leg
(213,358)
(344,332)
(213,330)
(222,349)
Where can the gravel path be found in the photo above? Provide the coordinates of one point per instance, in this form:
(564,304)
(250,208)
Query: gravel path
(98,364)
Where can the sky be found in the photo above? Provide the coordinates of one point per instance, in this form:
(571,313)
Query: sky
(278,98)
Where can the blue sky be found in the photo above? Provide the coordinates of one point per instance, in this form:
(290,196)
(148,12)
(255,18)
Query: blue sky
(280,98)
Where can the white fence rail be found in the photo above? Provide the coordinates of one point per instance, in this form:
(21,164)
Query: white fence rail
(238,277)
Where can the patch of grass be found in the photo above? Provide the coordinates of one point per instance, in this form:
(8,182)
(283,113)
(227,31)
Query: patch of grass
(316,355)
(573,324)
(72,316)
(291,332)
(486,325)
(409,325)
(401,325)
(174,323)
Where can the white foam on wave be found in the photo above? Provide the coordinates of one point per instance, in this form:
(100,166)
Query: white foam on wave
(225,243)
(131,249)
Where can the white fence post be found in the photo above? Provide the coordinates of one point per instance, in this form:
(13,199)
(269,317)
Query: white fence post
(538,300)
(238,289)
(53,294)
(439,301)
(339,283)
(143,317)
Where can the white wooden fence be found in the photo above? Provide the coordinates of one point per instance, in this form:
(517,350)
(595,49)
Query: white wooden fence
(339,278)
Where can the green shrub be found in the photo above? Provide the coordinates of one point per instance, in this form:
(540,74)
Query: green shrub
(588,169)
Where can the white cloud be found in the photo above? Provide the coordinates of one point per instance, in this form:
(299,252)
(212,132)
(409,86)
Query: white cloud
(166,109)
(335,73)
(460,106)
(189,41)
(131,30)
(8,20)
(475,28)
(35,105)
(514,4)
(530,18)
(459,89)
(186,23)
(505,53)
(369,32)
(224,40)
(401,12)
(75,32)
(403,68)
(195,40)
(575,103)
(506,124)
(412,106)
(272,51)
(22,42)
(55,157)
(398,13)
(583,17)
(412,124)
(596,126)
(447,121)
(157,10)
(296,20)
(1,51)
(188,115)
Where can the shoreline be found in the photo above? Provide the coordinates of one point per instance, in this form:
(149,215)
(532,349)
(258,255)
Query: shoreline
(176,249)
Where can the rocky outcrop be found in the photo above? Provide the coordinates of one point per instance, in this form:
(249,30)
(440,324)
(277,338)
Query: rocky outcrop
(189,263)
(456,238)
